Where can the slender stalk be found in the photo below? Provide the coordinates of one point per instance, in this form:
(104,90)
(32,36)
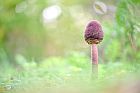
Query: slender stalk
(94,58)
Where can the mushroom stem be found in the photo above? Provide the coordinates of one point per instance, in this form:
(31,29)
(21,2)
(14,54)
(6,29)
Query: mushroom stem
(94,58)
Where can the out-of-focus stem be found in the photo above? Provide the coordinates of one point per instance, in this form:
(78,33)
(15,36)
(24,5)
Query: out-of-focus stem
(94,58)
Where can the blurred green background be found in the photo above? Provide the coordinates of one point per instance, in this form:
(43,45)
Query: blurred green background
(37,29)
(48,34)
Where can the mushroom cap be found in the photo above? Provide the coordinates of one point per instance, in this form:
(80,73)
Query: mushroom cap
(93,32)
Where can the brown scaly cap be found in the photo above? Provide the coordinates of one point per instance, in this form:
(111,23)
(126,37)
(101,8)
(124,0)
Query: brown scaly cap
(93,32)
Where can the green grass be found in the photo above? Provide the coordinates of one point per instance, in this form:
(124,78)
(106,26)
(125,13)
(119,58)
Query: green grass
(59,74)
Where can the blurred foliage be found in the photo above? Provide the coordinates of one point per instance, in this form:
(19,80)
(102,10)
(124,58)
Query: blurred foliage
(128,29)
(57,72)
(23,30)
(35,51)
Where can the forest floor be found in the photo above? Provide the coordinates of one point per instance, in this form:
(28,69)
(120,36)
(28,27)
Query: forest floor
(69,75)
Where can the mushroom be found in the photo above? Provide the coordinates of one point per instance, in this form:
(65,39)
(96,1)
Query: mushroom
(94,35)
